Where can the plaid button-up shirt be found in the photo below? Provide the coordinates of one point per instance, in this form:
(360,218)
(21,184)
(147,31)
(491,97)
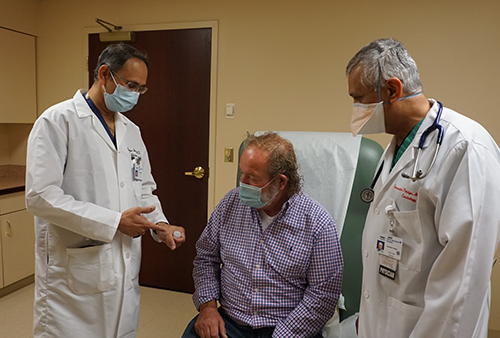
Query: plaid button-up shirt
(288,276)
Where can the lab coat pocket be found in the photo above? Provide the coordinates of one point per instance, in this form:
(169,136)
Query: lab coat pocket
(401,318)
(410,230)
(90,269)
(134,264)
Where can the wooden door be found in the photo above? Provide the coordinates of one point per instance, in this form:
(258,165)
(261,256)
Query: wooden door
(174,119)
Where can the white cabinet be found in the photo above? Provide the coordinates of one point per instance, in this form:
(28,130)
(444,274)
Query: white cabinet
(17,239)
(18,77)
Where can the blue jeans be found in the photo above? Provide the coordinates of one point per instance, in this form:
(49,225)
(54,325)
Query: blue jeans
(235,330)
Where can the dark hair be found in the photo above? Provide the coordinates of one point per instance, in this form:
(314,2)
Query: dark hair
(281,160)
(115,56)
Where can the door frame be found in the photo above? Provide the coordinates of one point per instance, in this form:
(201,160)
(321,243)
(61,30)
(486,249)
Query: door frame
(214,25)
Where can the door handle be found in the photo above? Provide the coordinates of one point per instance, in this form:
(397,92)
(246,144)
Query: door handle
(9,229)
(198,172)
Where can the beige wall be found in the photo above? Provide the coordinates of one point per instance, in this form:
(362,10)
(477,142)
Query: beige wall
(4,145)
(13,140)
(19,15)
(282,62)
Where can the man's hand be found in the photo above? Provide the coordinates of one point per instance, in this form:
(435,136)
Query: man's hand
(209,323)
(133,223)
(173,236)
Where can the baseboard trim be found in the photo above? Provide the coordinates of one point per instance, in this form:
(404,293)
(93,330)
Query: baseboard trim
(493,333)
(17,285)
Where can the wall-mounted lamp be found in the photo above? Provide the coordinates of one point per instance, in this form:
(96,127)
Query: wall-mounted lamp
(115,34)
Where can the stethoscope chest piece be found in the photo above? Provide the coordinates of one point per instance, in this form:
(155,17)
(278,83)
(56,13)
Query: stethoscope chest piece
(367,195)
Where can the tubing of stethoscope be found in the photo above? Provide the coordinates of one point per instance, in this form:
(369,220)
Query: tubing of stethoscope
(418,174)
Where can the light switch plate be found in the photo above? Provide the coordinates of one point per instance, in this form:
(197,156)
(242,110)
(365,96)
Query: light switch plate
(228,154)
(230,110)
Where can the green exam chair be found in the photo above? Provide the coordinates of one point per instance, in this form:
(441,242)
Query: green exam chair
(350,240)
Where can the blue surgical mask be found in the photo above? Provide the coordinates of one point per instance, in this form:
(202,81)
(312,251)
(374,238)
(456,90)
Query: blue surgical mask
(251,195)
(122,99)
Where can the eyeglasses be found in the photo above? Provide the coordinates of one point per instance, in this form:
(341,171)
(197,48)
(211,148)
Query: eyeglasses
(133,86)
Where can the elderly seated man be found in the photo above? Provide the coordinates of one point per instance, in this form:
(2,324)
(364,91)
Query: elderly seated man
(270,255)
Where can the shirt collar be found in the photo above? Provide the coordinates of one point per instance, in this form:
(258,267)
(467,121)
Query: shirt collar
(289,213)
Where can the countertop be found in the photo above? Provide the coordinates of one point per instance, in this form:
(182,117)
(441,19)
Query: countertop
(12,178)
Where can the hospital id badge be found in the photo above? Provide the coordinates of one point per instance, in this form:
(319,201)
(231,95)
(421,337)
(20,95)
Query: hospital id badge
(388,267)
(137,172)
(390,246)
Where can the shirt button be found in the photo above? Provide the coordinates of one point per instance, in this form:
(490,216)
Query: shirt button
(366,294)
(377,211)
(258,266)
(127,255)
(366,253)
(122,185)
(257,290)
(261,241)
(255,312)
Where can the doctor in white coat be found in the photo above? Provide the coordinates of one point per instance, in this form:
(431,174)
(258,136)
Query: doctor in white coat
(90,188)
(439,232)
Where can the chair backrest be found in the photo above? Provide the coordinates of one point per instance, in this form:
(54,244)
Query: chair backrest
(354,221)
(350,240)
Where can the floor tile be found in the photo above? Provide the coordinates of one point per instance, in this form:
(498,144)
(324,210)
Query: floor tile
(164,313)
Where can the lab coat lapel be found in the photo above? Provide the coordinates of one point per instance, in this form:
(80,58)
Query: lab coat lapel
(121,128)
(386,174)
(97,125)
(389,177)
(387,158)
(405,163)
(83,111)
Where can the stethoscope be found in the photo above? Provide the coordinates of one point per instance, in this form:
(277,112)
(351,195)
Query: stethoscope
(368,194)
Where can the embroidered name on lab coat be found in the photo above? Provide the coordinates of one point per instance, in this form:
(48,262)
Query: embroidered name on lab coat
(411,196)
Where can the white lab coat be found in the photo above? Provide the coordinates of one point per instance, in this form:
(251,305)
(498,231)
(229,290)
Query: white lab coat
(450,226)
(77,185)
